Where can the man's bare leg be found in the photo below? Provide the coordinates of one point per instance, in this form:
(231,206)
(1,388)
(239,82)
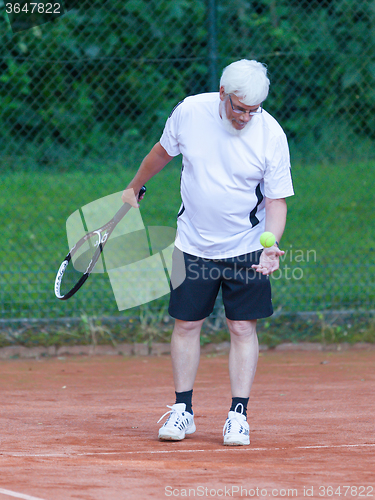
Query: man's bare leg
(243,356)
(185,350)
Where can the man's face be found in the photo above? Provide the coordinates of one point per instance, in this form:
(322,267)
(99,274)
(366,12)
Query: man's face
(237,120)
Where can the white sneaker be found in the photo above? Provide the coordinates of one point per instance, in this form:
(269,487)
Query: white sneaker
(236,430)
(179,423)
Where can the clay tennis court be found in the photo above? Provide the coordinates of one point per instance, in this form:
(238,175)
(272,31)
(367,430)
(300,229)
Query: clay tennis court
(86,428)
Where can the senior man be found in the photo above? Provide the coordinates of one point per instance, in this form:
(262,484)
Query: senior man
(234,181)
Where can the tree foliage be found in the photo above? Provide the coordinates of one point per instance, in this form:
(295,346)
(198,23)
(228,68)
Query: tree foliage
(106,75)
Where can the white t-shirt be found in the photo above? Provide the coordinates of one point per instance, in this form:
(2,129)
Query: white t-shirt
(225,177)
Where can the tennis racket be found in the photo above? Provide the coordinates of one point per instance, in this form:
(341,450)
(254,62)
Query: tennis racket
(71,276)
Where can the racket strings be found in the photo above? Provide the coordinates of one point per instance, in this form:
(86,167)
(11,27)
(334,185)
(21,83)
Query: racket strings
(83,259)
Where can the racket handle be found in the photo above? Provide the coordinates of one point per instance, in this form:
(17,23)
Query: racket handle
(142,191)
(126,207)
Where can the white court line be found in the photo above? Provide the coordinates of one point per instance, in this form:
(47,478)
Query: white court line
(157,452)
(154,452)
(17,495)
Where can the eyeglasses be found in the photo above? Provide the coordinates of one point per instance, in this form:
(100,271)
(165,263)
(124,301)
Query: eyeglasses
(243,111)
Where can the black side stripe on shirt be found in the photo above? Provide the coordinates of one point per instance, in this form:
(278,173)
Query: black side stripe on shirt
(176,107)
(253,218)
(182,210)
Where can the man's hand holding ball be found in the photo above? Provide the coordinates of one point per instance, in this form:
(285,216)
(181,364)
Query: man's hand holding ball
(269,258)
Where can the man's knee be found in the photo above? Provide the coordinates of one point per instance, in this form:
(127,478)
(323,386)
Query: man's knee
(242,328)
(187,327)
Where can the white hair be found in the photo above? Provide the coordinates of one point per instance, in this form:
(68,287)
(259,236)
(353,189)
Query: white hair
(247,80)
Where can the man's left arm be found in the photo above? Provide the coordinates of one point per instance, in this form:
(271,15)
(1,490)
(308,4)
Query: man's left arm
(276,211)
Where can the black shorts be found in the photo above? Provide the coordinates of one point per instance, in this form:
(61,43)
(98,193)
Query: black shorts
(246,293)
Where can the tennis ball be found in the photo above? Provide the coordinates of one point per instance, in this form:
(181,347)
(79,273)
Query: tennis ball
(267,239)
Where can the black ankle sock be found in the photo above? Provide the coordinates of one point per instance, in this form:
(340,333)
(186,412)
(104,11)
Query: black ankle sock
(185,397)
(236,401)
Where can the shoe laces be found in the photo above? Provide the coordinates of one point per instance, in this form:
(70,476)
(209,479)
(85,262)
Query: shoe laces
(171,411)
(235,423)
(174,414)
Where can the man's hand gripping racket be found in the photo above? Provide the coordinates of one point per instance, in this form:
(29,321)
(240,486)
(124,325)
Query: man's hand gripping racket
(70,277)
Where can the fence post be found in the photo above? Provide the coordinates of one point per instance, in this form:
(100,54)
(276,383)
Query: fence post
(212,46)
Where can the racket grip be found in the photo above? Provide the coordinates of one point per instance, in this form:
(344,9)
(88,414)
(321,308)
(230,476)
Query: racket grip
(126,207)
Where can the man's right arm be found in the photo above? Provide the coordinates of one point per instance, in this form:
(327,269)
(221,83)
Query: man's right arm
(155,161)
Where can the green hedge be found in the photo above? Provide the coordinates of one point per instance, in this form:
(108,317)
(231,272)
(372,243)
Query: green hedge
(104,77)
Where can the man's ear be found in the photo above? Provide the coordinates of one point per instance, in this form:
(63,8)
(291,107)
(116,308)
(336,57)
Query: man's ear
(222,93)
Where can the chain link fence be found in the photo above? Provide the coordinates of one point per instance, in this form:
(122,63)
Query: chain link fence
(85,95)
